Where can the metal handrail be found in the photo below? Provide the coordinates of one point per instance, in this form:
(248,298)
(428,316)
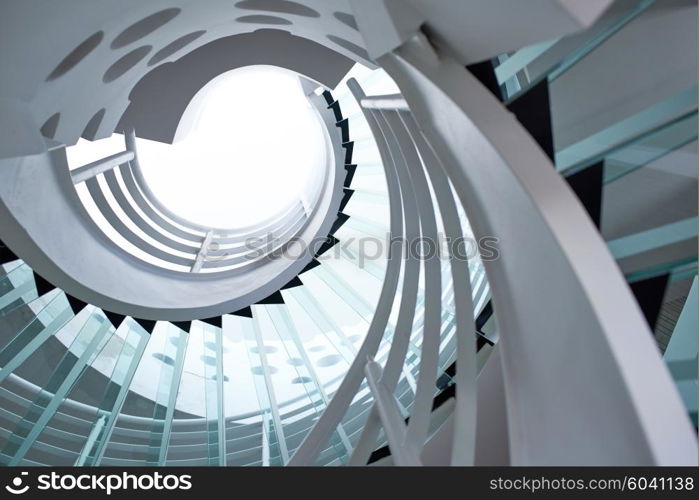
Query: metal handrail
(162,226)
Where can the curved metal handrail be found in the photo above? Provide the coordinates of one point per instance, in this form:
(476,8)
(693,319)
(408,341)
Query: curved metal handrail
(463,447)
(276,241)
(136,218)
(142,202)
(411,272)
(279,229)
(321,432)
(130,142)
(124,231)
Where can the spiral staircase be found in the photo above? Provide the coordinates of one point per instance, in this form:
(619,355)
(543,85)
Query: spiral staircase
(131,336)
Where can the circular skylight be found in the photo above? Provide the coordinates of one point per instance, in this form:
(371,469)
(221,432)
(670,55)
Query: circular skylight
(248,147)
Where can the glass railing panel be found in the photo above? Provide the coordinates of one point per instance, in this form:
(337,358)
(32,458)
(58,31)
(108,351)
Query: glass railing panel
(651,239)
(678,270)
(16,289)
(33,300)
(213,387)
(140,427)
(26,329)
(508,67)
(407,381)
(312,373)
(21,381)
(329,285)
(671,137)
(83,416)
(191,401)
(282,380)
(367,227)
(71,426)
(370,178)
(247,436)
(315,319)
(366,253)
(551,59)
(93,336)
(359,129)
(350,108)
(9,266)
(373,169)
(681,352)
(362,283)
(118,361)
(344,288)
(345,345)
(197,424)
(635,129)
(343,295)
(173,343)
(274,450)
(354,420)
(368,195)
(365,151)
(447,348)
(369,205)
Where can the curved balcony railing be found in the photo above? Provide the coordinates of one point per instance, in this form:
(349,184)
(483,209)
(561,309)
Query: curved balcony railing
(63,438)
(166,239)
(120,229)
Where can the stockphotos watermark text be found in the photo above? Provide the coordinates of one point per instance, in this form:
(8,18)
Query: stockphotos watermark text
(361,249)
(105,483)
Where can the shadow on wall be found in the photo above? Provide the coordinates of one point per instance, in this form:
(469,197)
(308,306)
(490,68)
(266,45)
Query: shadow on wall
(161,97)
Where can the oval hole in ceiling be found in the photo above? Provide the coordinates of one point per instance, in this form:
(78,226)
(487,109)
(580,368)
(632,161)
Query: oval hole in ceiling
(77,54)
(144,27)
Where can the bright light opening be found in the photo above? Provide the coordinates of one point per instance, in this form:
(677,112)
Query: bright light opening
(249,146)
